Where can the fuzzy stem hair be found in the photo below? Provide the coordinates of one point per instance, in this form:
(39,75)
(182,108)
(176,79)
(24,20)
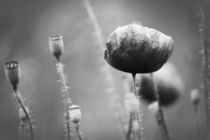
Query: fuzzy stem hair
(23,107)
(65,94)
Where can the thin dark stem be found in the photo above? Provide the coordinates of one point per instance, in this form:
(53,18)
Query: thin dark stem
(78,131)
(130,125)
(160,115)
(22,105)
(134,84)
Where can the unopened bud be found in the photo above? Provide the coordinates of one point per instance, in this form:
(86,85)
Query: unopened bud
(56,46)
(75,114)
(13,72)
(132,103)
(195,96)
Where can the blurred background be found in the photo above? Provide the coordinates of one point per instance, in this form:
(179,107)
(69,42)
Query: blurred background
(25,26)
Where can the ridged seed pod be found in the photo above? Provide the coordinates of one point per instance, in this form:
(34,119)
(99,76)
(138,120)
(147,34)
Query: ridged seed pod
(13,73)
(56,46)
(75,114)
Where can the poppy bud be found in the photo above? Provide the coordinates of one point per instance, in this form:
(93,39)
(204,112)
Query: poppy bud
(56,46)
(75,114)
(137,49)
(13,72)
(195,96)
(169,85)
(132,103)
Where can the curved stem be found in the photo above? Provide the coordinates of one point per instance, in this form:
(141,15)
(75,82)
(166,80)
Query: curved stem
(160,115)
(78,131)
(22,105)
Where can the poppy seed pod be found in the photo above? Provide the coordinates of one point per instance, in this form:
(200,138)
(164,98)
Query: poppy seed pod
(56,46)
(75,114)
(195,96)
(169,85)
(137,49)
(13,72)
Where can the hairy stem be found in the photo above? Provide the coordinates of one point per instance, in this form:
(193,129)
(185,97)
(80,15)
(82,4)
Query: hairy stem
(139,115)
(160,115)
(65,93)
(23,106)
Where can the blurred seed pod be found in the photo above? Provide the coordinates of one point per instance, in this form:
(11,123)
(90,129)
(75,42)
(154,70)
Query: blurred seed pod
(154,108)
(132,103)
(13,73)
(195,96)
(56,46)
(134,48)
(75,113)
(169,85)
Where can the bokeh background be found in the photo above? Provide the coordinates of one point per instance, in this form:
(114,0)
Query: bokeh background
(25,26)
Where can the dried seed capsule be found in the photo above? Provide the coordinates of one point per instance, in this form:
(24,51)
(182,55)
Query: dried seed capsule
(169,85)
(75,114)
(137,49)
(56,46)
(13,73)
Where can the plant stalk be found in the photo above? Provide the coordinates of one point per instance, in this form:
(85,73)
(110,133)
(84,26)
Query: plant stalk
(67,100)
(139,115)
(160,115)
(23,107)
(78,131)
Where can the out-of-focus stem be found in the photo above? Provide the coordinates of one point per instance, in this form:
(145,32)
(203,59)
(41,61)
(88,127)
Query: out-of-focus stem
(128,136)
(107,71)
(206,58)
(22,105)
(67,100)
(160,115)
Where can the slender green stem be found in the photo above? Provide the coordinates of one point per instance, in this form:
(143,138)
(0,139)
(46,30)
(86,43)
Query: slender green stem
(22,105)
(160,115)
